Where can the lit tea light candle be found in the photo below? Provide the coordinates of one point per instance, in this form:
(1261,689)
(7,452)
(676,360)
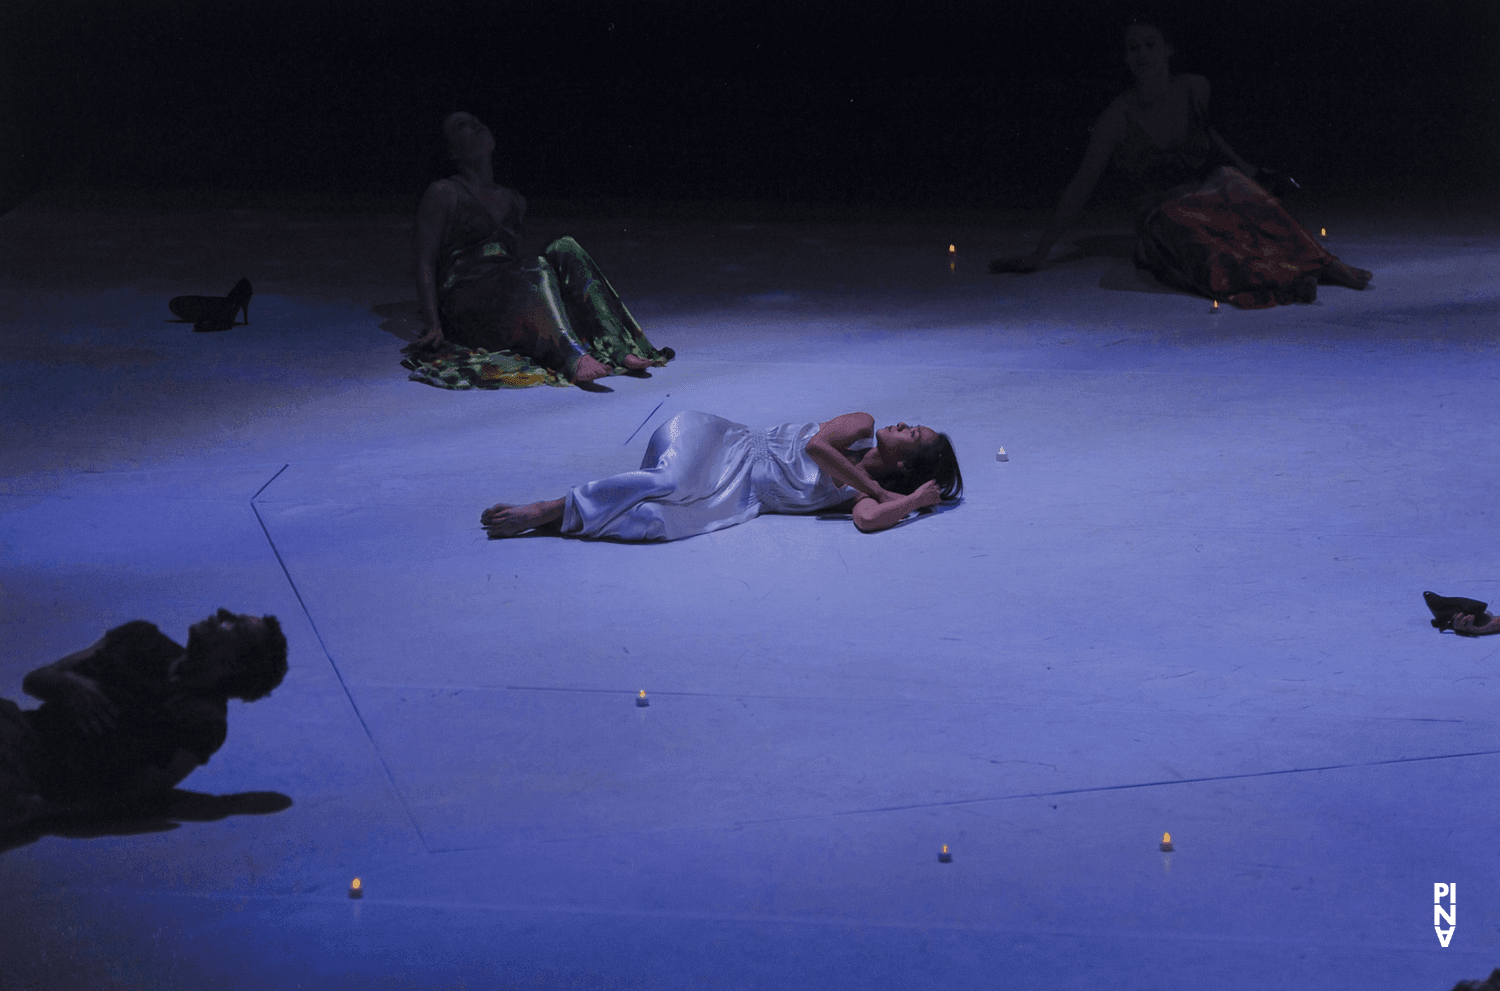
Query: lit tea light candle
(1166,842)
(355,891)
(1322,232)
(1000,455)
(641,699)
(1216,306)
(945,857)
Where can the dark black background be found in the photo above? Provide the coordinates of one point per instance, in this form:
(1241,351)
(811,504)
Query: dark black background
(921,104)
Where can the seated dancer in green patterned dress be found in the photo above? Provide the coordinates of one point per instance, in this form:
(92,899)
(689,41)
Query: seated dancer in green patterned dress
(478,292)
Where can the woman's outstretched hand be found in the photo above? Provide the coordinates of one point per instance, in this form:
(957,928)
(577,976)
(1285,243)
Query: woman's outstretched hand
(1464,626)
(431,340)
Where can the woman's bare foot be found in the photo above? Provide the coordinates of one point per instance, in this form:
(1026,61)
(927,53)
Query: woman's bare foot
(635,362)
(1343,274)
(501,520)
(590,368)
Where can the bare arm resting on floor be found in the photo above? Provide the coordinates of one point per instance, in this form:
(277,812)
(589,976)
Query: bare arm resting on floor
(1106,134)
(152,781)
(432,217)
(1198,90)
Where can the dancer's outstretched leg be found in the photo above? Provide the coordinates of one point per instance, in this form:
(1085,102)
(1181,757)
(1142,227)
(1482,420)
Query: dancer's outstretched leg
(505,520)
(597,313)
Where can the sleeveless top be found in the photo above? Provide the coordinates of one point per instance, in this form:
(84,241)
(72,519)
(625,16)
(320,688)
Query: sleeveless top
(1159,172)
(473,243)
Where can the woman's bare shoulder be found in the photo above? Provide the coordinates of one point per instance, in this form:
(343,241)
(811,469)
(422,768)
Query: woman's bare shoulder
(857,421)
(440,192)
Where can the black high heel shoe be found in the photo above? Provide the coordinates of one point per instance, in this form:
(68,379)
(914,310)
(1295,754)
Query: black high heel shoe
(1444,608)
(211,313)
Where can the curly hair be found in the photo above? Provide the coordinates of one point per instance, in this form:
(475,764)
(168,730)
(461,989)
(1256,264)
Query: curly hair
(261,662)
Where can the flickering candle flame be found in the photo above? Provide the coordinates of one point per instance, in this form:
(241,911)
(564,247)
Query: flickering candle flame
(1166,842)
(1216,304)
(1322,232)
(354,889)
(945,848)
(951,249)
(945,857)
(641,699)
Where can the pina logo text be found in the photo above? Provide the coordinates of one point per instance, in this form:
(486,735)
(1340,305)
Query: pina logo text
(1441,915)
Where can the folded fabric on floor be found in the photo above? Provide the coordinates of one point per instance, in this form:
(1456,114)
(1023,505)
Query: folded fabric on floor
(1229,239)
(455,367)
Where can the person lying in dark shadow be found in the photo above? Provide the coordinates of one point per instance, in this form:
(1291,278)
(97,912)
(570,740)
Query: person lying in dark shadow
(1203,223)
(477,291)
(126,719)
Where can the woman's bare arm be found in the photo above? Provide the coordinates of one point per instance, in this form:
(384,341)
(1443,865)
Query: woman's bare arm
(1229,153)
(1198,91)
(827,448)
(432,217)
(1105,136)
(870,515)
(55,681)
(61,684)
(152,781)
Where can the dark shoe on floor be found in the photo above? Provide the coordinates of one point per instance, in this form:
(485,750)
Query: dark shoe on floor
(1444,608)
(212,313)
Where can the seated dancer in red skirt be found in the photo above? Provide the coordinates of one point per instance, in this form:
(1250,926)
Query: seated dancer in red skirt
(1200,227)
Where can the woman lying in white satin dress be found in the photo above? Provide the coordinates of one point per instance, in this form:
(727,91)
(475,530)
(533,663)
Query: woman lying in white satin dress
(702,473)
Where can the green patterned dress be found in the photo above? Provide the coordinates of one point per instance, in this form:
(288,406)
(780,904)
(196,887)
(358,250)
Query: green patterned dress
(512,322)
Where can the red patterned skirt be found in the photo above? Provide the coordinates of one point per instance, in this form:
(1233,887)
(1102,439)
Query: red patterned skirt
(1230,240)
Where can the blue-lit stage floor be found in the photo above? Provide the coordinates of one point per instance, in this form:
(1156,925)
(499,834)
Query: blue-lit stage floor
(1189,602)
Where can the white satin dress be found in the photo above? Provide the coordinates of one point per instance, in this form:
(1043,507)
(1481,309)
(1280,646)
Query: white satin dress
(702,473)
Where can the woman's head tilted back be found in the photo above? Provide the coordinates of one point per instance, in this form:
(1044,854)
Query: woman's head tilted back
(466,135)
(920,455)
